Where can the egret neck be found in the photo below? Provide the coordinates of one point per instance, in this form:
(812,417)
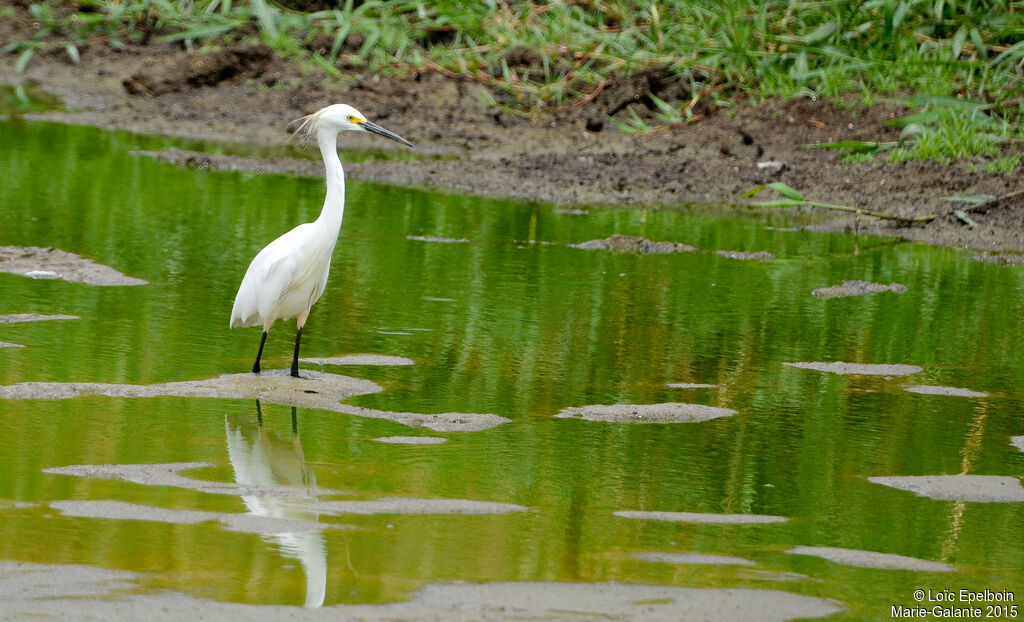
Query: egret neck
(334,203)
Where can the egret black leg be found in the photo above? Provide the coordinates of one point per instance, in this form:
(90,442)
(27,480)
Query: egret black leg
(295,357)
(259,354)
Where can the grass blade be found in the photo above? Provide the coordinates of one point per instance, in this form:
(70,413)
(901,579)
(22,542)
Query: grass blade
(265,16)
(786,191)
(19,67)
(977,199)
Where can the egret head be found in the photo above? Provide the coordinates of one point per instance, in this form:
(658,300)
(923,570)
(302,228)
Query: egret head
(339,118)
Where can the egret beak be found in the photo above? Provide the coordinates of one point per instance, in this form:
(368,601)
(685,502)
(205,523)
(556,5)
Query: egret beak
(370,126)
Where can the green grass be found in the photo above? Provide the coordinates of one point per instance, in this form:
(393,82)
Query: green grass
(536,55)
(1004,165)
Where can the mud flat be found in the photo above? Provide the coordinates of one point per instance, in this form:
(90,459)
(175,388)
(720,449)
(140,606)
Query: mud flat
(302,498)
(313,390)
(857,288)
(52,592)
(925,389)
(858,369)
(746,255)
(633,244)
(52,263)
(359,359)
(411,440)
(169,474)
(691,385)
(692,558)
(669,412)
(439,422)
(245,523)
(17,318)
(871,559)
(976,488)
(436,239)
(698,517)
(410,505)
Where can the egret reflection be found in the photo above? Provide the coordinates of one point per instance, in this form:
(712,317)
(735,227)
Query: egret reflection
(261,459)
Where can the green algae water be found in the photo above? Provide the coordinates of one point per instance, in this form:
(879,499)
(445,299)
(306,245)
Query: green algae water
(510,320)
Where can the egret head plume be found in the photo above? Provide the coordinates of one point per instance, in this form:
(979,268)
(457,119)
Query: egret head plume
(337,118)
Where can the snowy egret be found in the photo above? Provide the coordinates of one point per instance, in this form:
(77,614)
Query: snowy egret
(290,274)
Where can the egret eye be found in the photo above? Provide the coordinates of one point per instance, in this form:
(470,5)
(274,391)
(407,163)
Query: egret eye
(350,118)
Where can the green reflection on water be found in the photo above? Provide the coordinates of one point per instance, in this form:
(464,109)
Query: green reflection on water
(513,322)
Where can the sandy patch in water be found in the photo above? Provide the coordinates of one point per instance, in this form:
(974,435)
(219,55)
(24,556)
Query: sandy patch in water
(411,440)
(747,256)
(977,488)
(633,244)
(692,558)
(359,359)
(1018,442)
(411,505)
(926,389)
(436,239)
(242,522)
(313,390)
(871,559)
(858,369)
(441,422)
(17,318)
(669,412)
(305,499)
(698,517)
(52,263)
(857,288)
(691,385)
(51,592)
(169,474)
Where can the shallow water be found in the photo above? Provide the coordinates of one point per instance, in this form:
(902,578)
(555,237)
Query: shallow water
(517,323)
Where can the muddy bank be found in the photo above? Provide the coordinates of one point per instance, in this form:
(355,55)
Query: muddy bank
(572,156)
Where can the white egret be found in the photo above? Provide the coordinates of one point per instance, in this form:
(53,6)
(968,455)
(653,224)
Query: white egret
(290,274)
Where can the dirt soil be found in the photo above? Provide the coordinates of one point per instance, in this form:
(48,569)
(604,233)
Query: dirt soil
(245,93)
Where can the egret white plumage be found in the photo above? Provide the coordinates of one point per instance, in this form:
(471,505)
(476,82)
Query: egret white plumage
(290,274)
